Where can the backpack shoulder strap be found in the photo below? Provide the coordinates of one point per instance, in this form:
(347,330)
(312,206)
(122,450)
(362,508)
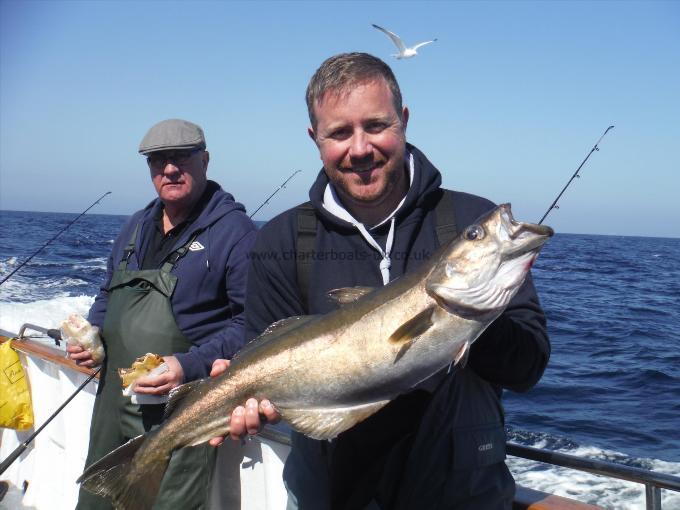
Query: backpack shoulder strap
(304,248)
(445,218)
(445,226)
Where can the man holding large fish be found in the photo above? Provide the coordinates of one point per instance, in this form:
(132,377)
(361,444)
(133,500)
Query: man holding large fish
(385,367)
(375,205)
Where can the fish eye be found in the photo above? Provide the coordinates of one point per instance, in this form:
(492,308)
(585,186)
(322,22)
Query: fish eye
(474,233)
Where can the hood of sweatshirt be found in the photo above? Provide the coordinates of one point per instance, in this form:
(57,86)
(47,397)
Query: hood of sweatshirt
(392,231)
(426,180)
(219,204)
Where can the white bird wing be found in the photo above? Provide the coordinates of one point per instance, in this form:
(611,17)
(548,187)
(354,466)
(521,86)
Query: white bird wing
(423,44)
(395,38)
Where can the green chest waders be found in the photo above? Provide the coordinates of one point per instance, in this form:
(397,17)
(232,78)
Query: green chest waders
(138,320)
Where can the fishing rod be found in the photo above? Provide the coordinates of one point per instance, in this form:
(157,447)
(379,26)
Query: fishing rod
(22,447)
(595,148)
(283,185)
(48,242)
(56,335)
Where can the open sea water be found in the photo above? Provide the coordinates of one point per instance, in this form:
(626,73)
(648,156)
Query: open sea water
(611,390)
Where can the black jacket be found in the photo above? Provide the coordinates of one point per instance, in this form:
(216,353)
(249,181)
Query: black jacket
(371,459)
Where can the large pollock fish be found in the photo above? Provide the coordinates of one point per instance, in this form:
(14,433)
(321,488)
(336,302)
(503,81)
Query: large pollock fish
(324,374)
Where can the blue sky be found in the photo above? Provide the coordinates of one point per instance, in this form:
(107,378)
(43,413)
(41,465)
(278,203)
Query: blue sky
(506,103)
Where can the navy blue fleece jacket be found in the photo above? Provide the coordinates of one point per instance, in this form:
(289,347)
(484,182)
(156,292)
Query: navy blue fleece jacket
(512,353)
(208,300)
(464,412)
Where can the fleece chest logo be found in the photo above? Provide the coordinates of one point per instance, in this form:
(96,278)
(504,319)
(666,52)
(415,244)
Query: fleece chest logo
(196,246)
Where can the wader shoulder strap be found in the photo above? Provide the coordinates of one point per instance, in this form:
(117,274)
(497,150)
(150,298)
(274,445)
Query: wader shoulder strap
(128,250)
(179,253)
(445,218)
(304,248)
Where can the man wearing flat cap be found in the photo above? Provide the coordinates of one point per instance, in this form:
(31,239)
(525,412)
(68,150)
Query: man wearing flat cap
(175,287)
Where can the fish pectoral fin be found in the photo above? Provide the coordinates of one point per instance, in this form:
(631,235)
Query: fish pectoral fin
(346,295)
(413,328)
(462,356)
(327,423)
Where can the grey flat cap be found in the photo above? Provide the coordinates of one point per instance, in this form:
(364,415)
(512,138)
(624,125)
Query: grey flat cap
(172,134)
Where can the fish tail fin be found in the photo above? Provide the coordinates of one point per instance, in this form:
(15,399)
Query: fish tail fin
(129,479)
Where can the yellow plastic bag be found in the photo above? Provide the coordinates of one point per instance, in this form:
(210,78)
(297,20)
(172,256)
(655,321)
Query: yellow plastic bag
(16,410)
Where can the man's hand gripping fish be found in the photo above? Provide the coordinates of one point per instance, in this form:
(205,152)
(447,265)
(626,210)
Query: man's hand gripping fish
(324,374)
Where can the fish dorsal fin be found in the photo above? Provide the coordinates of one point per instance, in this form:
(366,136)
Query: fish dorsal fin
(276,328)
(286,324)
(177,395)
(327,423)
(346,295)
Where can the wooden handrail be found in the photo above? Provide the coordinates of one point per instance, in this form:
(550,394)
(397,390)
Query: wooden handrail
(45,352)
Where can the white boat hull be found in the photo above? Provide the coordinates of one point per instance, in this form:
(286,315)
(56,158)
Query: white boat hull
(56,457)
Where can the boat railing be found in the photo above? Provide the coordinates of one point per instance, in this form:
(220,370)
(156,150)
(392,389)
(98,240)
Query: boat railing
(652,481)
(54,334)
(525,498)
(42,350)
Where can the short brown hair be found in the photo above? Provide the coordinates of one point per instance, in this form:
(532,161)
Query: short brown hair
(340,72)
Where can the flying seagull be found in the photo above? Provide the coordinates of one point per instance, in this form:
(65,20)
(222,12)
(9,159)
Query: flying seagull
(404,52)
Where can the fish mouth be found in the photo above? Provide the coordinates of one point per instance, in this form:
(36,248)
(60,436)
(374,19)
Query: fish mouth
(518,244)
(523,237)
